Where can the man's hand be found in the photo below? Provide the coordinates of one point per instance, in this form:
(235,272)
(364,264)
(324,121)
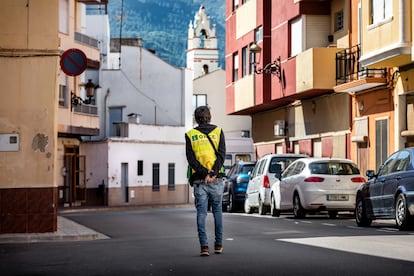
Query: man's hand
(209,178)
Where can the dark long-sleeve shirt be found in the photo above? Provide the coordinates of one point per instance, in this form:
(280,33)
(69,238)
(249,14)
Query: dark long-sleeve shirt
(200,171)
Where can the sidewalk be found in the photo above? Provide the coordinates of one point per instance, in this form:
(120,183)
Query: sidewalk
(68,230)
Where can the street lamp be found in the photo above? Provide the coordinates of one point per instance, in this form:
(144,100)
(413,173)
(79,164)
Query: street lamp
(273,68)
(90,93)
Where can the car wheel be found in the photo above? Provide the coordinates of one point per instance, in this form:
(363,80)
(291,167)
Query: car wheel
(402,216)
(298,210)
(275,212)
(262,208)
(332,214)
(231,203)
(360,214)
(247,208)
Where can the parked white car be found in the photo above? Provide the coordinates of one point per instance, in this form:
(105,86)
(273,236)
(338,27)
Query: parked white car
(311,185)
(261,178)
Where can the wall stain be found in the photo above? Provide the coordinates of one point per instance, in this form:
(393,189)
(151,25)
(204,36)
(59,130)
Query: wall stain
(40,142)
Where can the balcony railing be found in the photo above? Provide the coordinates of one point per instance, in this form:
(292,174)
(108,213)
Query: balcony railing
(86,39)
(86,109)
(348,67)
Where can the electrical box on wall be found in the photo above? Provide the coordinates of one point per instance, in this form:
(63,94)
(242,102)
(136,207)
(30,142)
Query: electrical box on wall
(9,142)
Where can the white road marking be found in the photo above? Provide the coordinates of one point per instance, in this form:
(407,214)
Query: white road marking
(328,224)
(394,247)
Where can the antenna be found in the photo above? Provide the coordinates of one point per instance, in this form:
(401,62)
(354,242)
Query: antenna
(120,32)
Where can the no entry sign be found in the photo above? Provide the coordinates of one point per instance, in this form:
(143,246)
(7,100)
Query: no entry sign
(73,62)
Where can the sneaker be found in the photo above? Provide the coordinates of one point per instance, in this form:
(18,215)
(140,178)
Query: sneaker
(204,251)
(218,249)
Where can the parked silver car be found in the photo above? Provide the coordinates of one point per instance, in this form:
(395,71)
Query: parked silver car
(312,185)
(261,179)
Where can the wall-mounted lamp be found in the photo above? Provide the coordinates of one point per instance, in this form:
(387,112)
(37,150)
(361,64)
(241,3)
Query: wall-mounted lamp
(361,106)
(90,93)
(273,68)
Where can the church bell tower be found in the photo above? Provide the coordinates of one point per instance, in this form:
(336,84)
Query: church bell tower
(202,51)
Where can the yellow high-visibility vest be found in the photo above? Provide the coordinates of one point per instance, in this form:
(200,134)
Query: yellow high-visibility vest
(203,150)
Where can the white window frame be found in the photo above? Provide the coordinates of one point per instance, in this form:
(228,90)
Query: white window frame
(296,36)
(380,11)
(64,16)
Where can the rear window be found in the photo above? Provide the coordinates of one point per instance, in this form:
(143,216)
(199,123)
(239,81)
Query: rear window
(284,162)
(333,168)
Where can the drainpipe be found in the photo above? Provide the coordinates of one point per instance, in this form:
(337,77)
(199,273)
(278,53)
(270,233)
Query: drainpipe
(401,12)
(102,136)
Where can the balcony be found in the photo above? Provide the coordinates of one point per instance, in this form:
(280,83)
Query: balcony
(79,120)
(315,72)
(352,77)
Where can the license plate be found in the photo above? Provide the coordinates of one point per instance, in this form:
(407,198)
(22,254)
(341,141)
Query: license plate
(337,197)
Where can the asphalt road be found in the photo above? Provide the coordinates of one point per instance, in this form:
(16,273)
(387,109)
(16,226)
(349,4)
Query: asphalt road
(164,242)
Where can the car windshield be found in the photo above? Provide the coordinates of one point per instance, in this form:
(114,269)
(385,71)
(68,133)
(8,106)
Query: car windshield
(333,168)
(246,169)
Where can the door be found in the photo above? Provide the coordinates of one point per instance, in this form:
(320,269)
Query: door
(286,187)
(124,182)
(385,175)
(74,187)
(362,157)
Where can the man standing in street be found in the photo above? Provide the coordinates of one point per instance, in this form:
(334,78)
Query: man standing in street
(206,151)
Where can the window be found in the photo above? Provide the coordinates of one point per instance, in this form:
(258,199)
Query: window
(258,34)
(140,167)
(205,69)
(242,157)
(380,10)
(199,100)
(339,21)
(252,62)
(402,162)
(64,16)
(115,116)
(245,133)
(296,37)
(381,141)
(171,176)
(388,165)
(155,176)
(235,4)
(63,91)
(235,66)
(245,64)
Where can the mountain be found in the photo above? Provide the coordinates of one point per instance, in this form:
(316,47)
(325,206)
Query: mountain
(163,25)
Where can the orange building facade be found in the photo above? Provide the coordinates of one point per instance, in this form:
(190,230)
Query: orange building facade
(339,79)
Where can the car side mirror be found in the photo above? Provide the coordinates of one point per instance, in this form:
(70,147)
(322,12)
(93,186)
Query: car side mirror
(370,174)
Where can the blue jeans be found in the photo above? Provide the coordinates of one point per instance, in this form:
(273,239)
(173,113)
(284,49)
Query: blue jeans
(204,193)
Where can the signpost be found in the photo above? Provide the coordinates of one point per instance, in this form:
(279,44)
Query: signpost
(73,62)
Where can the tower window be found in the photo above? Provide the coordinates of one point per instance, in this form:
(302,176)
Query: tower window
(205,69)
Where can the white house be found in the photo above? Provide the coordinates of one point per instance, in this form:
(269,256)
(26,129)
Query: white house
(145,109)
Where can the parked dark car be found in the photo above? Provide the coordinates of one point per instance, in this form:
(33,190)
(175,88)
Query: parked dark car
(389,194)
(235,185)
